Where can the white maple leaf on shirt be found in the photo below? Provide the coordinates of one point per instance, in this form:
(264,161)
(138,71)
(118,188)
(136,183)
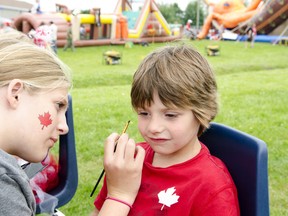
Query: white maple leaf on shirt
(168,197)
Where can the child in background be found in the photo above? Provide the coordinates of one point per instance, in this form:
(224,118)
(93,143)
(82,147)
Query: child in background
(174,93)
(42,35)
(34,87)
(53,36)
(251,34)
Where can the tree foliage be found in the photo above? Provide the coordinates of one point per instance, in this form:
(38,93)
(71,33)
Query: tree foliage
(191,12)
(173,14)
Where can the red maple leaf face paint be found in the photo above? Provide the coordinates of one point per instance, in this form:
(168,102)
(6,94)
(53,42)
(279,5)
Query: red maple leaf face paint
(45,119)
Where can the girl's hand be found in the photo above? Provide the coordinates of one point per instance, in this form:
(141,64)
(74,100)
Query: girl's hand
(123,167)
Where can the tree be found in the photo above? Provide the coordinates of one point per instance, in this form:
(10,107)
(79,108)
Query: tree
(172,13)
(191,12)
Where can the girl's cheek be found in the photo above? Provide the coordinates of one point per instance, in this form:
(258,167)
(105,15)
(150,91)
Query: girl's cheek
(45,119)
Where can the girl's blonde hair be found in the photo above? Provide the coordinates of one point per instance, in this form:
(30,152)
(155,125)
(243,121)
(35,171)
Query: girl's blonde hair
(39,68)
(182,78)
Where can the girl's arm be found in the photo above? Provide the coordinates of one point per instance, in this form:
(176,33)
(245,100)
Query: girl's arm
(123,168)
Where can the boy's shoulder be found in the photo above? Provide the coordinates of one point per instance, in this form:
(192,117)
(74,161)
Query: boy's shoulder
(211,161)
(213,167)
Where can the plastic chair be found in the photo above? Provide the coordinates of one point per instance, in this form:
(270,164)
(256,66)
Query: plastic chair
(246,158)
(68,171)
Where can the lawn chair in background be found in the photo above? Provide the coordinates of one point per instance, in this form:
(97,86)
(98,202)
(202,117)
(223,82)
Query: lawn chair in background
(246,158)
(68,172)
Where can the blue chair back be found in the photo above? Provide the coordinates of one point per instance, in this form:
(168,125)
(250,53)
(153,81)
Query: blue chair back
(68,171)
(246,158)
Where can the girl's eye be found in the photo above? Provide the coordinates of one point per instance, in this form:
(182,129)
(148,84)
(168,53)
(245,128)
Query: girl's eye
(61,105)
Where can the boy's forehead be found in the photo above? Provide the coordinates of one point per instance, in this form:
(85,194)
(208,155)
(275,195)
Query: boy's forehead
(167,103)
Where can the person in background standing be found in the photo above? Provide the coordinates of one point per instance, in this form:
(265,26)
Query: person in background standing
(2,27)
(53,36)
(36,9)
(188,31)
(69,40)
(82,32)
(41,36)
(251,34)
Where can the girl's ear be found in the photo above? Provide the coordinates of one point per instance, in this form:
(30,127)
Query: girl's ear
(14,89)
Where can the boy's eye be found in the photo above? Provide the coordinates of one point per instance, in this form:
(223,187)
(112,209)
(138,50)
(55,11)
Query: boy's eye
(143,113)
(171,115)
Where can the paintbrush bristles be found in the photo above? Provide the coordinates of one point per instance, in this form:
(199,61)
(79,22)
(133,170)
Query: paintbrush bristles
(126,126)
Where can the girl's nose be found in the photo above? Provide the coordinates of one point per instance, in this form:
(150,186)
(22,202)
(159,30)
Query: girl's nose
(62,126)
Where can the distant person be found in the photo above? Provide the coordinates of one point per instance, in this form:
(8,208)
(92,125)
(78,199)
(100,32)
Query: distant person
(42,35)
(36,7)
(188,31)
(251,34)
(69,39)
(82,32)
(53,36)
(5,27)
(2,27)
(188,25)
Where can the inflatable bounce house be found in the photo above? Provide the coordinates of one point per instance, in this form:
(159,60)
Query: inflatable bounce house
(116,23)
(270,17)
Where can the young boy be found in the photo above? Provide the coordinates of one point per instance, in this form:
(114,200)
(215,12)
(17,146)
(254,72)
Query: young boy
(174,93)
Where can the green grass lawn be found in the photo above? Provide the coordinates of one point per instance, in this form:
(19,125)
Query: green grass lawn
(253,90)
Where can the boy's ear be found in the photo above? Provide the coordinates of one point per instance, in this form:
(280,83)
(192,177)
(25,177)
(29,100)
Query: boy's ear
(14,89)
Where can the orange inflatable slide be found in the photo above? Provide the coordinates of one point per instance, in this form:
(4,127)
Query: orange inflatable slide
(267,15)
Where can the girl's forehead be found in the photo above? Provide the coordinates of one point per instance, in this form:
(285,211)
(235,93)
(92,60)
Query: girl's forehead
(59,93)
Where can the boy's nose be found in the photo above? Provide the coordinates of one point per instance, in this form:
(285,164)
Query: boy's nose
(155,125)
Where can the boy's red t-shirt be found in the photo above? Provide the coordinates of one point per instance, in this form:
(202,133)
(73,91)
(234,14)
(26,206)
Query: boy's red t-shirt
(199,186)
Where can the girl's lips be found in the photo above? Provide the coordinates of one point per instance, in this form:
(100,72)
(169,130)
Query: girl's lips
(54,140)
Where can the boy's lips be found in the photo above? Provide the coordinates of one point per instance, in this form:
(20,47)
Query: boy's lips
(158,140)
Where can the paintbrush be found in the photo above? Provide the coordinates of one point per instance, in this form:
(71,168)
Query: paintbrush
(103,171)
